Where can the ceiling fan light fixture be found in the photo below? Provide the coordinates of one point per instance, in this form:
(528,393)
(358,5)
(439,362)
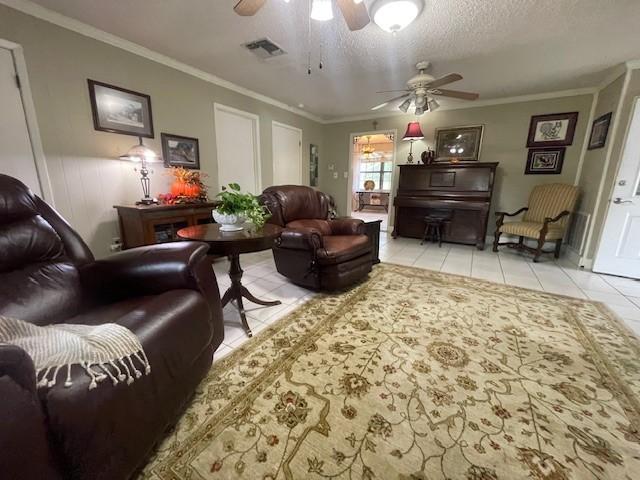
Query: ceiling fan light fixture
(321,10)
(433,104)
(394,15)
(419,110)
(404,106)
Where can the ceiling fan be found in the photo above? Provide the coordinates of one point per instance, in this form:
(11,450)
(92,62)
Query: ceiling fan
(354,12)
(423,87)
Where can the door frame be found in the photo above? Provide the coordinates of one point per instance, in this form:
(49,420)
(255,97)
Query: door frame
(348,205)
(33,130)
(635,110)
(255,119)
(273,158)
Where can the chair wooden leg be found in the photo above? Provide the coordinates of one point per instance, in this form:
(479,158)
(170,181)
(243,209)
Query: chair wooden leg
(539,249)
(556,252)
(520,240)
(439,232)
(496,240)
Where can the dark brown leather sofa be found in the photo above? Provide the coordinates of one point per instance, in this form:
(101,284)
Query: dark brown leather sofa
(315,251)
(166,294)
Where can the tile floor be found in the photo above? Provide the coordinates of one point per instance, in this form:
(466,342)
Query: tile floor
(622,295)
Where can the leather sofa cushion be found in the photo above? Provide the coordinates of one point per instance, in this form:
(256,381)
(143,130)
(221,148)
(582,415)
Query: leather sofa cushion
(340,248)
(28,240)
(321,225)
(41,293)
(113,423)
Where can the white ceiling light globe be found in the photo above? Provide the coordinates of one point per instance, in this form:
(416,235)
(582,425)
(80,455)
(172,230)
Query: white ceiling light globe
(394,15)
(321,10)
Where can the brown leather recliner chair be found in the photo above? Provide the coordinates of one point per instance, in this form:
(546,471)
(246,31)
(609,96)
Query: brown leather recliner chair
(165,294)
(315,251)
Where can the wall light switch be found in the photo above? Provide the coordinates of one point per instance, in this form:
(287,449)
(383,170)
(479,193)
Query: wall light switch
(335,175)
(345,174)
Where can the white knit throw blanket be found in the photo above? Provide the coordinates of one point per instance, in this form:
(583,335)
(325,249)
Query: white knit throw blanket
(104,351)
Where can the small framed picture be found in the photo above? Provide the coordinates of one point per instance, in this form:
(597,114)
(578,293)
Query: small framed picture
(544,161)
(118,110)
(554,130)
(179,151)
(599,131)
(458,144)
(313,165)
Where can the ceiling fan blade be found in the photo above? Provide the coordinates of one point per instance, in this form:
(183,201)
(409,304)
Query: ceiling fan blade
(355,14)
(454,94)
(247,8)
(394,91)
(382,105)
(452,77)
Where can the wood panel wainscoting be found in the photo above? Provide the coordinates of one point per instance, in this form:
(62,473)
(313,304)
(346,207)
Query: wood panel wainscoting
(460,193)
(149,224)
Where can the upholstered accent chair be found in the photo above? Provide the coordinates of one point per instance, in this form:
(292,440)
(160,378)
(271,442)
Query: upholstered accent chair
(545,219)
(316,251)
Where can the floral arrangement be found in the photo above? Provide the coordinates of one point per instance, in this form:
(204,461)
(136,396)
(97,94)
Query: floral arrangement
(233,202)
(187,187)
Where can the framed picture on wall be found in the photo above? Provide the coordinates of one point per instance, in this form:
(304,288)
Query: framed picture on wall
(599,131)
(313,165)
(458,144)
(553,130)
(544,161)
(179,151)
(118,110)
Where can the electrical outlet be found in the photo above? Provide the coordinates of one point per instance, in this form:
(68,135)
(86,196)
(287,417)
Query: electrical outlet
(331,166)
(335,175)
(345,174)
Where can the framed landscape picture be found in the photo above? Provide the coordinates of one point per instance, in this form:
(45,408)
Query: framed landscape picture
(599,131)
(544,161)
(554,130)
(458,144)
(118,110)
(179,151)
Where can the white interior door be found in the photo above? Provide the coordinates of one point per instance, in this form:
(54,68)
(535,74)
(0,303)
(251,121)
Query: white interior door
(238,148)
(619,250)
(16,154)
(287,154)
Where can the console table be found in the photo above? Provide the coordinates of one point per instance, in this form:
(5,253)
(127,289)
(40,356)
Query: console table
(149,224)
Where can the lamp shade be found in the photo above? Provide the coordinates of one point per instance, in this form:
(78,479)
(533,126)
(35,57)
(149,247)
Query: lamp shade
(140,153)
(413,132)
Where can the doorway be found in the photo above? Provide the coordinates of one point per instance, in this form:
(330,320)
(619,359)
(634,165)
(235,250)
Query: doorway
(372,160)
(619,249)
(21,156)
(238,148)
(287,154)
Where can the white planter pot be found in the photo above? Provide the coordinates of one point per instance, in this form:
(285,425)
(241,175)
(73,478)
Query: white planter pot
(229,223)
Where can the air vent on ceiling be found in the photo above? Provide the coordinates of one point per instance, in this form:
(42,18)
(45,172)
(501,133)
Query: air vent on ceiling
(264,48)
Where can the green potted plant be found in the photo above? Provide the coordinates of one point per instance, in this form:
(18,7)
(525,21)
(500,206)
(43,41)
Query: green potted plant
(236,207)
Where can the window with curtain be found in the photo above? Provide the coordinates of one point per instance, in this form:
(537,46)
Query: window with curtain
(377,170)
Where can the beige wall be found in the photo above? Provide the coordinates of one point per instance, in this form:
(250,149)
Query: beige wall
(617,139)
(87,179)
(505,138)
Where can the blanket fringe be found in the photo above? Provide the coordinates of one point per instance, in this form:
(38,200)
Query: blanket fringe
(119,370)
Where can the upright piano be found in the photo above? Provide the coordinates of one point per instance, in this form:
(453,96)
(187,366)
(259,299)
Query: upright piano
(460,192)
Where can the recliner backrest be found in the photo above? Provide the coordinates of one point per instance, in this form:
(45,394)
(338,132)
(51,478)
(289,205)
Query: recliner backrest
(39,258)
(288,203)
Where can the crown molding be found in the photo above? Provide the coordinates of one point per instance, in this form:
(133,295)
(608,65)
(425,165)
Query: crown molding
(42,13)
(475,104)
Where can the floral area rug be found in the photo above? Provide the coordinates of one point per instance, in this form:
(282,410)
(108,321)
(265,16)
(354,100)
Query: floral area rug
(419,375)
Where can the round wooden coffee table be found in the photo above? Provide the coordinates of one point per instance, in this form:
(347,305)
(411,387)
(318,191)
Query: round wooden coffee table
(233,244)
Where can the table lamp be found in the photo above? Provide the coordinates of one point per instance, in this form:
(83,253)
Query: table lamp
(143,155)
(412,134)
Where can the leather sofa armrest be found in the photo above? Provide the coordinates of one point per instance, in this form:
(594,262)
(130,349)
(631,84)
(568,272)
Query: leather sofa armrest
(152,270)
(301,239)
(347,226)
(24,444)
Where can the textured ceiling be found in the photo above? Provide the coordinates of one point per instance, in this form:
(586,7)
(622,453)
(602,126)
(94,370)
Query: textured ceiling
(502,47)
